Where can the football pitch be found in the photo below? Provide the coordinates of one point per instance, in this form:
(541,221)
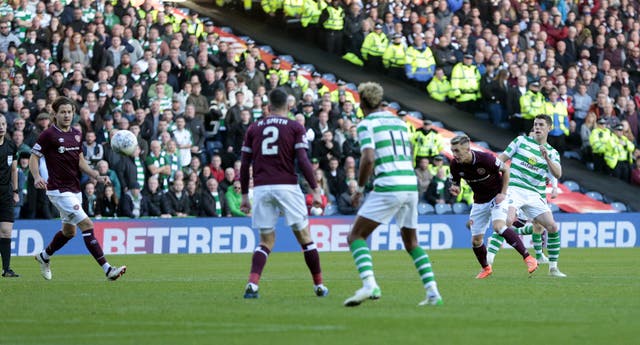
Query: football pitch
(197,299)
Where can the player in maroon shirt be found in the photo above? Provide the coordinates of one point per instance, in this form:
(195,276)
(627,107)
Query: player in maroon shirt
(488,177)
(271,146)
(60,145)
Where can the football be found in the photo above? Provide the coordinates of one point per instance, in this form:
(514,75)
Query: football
(124,142)
(316,211)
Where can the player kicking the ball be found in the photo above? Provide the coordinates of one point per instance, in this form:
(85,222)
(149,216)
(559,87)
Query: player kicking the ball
(488,177)
(60,145)
(271,146)
(386,152)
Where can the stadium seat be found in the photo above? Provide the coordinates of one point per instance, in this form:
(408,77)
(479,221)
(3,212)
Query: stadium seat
(330,210)
(572,185)
(352,86)
(287,58)
(554,208)
(456,133)
(437,124)
(267,49)
(595,195)
(416,114)
(394,105)
(308,67)
(616,205)
(329,77)
(244,38)
(226,29)
(425,208)
(482,144)
(443,209)
(461,208)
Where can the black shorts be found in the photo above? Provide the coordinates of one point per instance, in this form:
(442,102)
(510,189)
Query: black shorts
(6,205)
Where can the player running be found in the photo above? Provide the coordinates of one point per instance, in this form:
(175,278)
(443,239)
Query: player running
(488,177)
(386,152)
(61,147)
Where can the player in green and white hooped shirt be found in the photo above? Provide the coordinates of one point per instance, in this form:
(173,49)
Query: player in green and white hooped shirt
(386,153)
(531,159)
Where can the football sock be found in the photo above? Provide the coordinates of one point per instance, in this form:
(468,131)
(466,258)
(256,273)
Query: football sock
(423,265)
(312,259)
(553,246)
(58,241)
(514,240)
(537,244)
(481,255)
(93,246)
(5,252)
(362,258)
(258,261)
(525,230)
(495,243)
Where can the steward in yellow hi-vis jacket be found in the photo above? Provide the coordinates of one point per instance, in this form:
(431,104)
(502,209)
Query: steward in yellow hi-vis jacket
(465,84)
(373,47)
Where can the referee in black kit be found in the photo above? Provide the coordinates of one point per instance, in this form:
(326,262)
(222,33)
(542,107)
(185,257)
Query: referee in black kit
(8,195)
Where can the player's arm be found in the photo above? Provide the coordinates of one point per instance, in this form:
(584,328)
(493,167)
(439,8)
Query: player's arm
(455,181)
(34,168)
(85,168)
(14,180)
(246,159)
(367,161)
(505,171)
(553,162)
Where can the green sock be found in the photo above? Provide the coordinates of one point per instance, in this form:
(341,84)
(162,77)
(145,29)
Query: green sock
(553,246)
(495,243)
(423,265)
(525,230)
(362,257)
(537,244)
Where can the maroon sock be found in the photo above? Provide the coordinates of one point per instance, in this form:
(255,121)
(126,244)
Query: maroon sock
(258,261)
(58,241)
(514,240)
(312,259)
(481,255)
(93,246)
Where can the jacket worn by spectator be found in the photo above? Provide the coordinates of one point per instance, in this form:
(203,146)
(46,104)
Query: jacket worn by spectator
(173,204)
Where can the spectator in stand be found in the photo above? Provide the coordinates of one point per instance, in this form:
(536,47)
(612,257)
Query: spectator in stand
(228,180)
(89,199)
(217,171)
(152,199)
(585,133)
(214,204)
(424,176)
(176,203)
(438,189)
(131,203)
(195,198)
(107,203)
(234,199)
(348,203)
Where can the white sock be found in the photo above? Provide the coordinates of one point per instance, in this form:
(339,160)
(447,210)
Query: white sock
(432,288)
(369,282)
(45,255)
(553,264)
(490,258)
(106,267)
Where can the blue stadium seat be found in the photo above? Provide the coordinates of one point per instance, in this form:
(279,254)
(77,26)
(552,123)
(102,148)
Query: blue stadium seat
(461,208)
(619,206)
(329,77)
(416,114)
(226,29)
(572,185)
(394,105)
(483,144)
(595,195)
(244,38)
(352,86)
(443,209)
(308,67)
(425,208)
(287,58)
(437,124)
(267,49)
(330,210)
(459,133)
(554,208)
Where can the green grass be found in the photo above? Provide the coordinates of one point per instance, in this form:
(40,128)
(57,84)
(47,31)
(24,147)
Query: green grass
(197,299)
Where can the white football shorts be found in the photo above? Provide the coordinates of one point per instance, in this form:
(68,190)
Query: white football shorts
(69,205)
(272,200)
(483,215)
(403,206)
(530,202)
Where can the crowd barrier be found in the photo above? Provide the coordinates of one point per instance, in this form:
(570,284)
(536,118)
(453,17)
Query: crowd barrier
(235,235)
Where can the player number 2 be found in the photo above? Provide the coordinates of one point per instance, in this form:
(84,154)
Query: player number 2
(270,135)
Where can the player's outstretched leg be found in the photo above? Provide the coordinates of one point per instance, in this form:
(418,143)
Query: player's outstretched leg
(370,290)
(553,246)
(514,241)
(423,265)
(90,241)
(312,259)
(58,241)
(258,261)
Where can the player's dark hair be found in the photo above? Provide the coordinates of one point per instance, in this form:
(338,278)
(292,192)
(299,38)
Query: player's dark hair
(546,118)
(278,98)
(62,100)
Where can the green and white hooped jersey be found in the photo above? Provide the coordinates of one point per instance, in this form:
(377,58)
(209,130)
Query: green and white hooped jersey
(389,137)
(528,169)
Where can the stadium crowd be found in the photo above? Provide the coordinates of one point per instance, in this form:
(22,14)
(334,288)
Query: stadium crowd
(189,95)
